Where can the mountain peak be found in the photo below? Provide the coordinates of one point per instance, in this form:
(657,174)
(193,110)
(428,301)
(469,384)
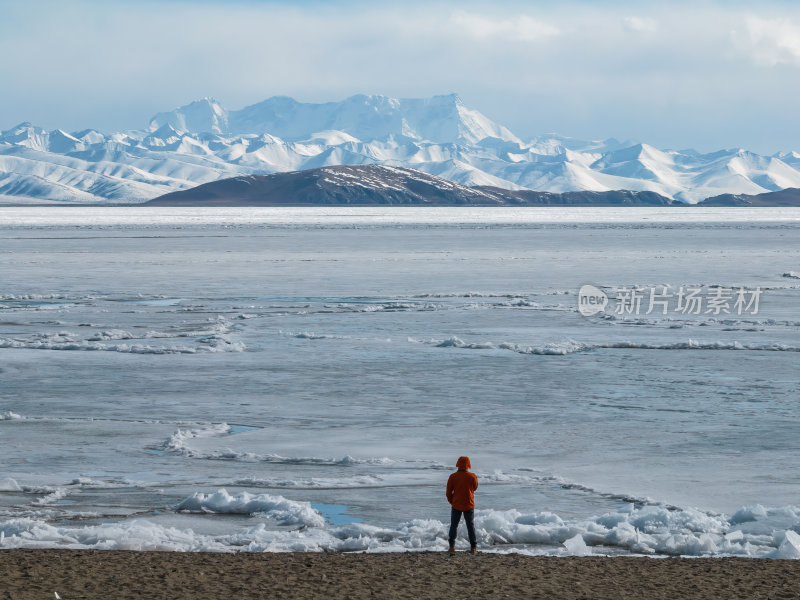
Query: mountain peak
(439,119)
(451,98)
(25,134)
(199,116)
(60,133)
(24,127)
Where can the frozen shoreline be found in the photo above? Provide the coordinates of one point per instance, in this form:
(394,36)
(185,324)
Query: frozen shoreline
(100,216)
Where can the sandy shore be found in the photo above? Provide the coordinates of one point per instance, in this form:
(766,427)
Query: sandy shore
(121,574)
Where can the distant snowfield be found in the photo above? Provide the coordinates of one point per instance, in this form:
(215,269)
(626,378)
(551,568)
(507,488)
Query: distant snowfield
(101,216)
(202,142)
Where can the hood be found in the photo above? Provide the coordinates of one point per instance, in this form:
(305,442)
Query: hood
(463,462)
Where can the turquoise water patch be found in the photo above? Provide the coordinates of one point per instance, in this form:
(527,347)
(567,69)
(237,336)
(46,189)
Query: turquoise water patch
(242,428)
(335,514)
(156,451)
(153,301)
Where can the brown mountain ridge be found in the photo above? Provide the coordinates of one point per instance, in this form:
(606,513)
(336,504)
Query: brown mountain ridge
(382,185)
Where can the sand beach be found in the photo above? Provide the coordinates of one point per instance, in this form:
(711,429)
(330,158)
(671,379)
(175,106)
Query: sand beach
(72,574)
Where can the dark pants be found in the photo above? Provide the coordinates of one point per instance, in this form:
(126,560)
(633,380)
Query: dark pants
(455,517)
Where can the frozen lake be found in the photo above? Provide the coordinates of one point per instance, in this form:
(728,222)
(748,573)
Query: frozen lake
(326,367)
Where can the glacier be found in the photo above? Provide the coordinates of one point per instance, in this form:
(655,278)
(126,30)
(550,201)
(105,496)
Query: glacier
(203,142)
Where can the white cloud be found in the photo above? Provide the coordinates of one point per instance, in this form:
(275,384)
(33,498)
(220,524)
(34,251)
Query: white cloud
(519,27)
(770,42)
(640,24)
(573,67)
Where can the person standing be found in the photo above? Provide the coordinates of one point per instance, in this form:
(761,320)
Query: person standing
(461,487)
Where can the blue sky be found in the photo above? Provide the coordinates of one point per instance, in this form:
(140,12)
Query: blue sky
(707,75)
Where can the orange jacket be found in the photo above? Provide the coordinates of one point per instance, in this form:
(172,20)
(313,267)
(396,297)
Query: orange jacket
(461,486)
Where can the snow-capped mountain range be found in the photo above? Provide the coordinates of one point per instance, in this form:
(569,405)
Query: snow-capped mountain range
(203,142)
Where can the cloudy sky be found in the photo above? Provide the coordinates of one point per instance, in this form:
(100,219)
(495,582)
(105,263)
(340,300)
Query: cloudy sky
(707,75)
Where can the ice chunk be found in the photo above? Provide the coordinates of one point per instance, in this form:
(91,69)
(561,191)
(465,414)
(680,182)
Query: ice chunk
(790,547)
(9,485)
(577,547)
(735,536)
(284,511)
(748,513)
